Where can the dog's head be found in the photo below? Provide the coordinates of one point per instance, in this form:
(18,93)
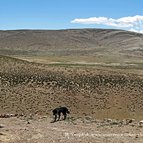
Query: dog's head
(68,112)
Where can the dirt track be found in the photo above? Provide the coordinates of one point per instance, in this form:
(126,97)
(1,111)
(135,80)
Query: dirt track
(41,130)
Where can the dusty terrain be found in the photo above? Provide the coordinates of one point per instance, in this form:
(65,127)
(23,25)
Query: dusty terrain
(96,73)
(38,129)
(88,45)
(33,90)
(38,88)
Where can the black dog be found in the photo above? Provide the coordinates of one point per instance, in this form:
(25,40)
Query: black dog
(58,111)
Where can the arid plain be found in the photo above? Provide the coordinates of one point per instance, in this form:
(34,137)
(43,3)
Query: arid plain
(96,73)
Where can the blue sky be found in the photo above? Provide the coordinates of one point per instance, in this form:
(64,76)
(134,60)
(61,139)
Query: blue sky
(64,14)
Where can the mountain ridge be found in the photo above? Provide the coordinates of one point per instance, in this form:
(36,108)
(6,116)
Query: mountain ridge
(62,42)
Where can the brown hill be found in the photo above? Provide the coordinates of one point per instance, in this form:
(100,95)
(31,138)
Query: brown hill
(37,88)
(75,42)
(96,73)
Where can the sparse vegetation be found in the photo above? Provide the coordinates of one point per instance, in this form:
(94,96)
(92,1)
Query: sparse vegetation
(95,73)
(29,87)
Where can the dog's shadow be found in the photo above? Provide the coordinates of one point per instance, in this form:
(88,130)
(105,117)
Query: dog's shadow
(57,121)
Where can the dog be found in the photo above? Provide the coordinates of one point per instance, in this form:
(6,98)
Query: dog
(58,111)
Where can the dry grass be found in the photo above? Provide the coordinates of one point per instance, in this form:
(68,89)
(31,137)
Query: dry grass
(96,73)
(37,88)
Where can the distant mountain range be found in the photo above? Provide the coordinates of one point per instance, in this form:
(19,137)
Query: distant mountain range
(77,42)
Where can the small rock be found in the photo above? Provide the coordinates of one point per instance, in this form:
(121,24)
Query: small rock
(1,126)
(28,122)
(136,136)
(141,123)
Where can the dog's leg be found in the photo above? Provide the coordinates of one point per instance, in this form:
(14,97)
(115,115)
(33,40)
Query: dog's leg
(55,118)
(65,116)
(59,116)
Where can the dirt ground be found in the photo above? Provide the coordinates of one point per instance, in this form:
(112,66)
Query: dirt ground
(40,129)
(91,95)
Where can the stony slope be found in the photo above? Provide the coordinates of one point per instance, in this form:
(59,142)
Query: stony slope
(36,88)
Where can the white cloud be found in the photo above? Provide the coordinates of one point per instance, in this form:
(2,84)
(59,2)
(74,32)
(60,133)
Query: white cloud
(135,30)
(135,23)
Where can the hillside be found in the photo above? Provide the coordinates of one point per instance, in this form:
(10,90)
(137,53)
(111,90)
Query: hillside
(74,41)
(27,87)
(98,47)
(96,73)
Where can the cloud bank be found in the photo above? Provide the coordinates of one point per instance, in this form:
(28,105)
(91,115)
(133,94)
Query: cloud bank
(132,23)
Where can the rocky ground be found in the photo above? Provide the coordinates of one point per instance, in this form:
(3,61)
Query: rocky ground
(40,129)
(29,92)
